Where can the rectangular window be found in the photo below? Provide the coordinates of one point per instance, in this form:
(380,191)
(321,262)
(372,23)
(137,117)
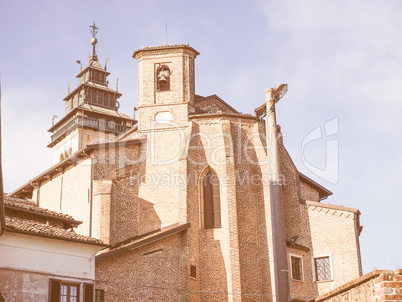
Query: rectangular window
(95,97)
(69,292)
(100,98)
(323,268)
(61,291)
(97,77)
(107,102)
(99,295)
(296,268)
(89,96)
(193,271)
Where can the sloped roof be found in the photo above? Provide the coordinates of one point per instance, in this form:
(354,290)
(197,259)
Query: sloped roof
(105,111)
(29,205)
(32,227)
(89,108)
(70,161)
(213,98)
(323,192)
(95,65)
(139,241)
(31,222)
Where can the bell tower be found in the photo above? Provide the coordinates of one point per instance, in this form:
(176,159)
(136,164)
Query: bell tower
(166,84)
(91,110)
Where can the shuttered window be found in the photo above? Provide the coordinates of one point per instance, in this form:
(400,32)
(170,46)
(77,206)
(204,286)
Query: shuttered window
(88,292)
(54,295)
(61,291)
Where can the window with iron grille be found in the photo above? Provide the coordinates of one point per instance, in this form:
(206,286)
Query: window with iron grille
(297,268)
(323,268)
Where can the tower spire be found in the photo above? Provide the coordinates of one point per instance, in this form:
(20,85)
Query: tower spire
(94,31)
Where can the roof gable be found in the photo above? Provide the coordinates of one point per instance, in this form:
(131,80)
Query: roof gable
(212,104)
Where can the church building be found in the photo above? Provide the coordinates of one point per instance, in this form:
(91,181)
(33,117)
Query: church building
(184,195)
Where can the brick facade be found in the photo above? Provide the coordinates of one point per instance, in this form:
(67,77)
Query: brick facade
(150,179)
(379,285)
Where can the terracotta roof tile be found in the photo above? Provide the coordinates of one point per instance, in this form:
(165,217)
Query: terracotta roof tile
(36,228)
(29,205)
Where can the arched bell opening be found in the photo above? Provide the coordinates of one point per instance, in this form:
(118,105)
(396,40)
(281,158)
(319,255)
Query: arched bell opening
(163,78)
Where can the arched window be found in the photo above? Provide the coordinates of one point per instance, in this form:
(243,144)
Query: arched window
(210,201)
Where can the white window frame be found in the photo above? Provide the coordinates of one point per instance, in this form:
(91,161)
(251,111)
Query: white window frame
(329,255)
(291,269)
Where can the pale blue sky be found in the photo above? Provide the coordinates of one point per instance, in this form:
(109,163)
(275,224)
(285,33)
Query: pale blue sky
(341,59)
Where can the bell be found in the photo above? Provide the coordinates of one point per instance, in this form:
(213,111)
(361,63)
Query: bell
(163,78)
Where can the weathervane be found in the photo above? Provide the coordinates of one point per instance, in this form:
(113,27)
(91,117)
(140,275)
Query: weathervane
(94,29)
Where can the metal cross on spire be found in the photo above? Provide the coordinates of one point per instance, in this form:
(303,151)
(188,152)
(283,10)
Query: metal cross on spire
(94,29)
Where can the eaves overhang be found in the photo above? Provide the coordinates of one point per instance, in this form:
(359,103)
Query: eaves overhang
(72,222)
(164,47)
(163,233)
(72,160)
(56,238)
(323,192)
(223,115)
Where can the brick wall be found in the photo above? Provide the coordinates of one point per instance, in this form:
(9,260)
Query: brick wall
(68,191)
(141,188)
(308,193)
(297,224)
(117,193)
(334,233)
(376,286)
(150,273)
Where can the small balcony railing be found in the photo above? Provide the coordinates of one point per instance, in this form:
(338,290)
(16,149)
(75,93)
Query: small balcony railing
(83,121)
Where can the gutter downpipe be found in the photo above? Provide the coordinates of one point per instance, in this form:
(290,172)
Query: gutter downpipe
(281,291)
(90,192)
